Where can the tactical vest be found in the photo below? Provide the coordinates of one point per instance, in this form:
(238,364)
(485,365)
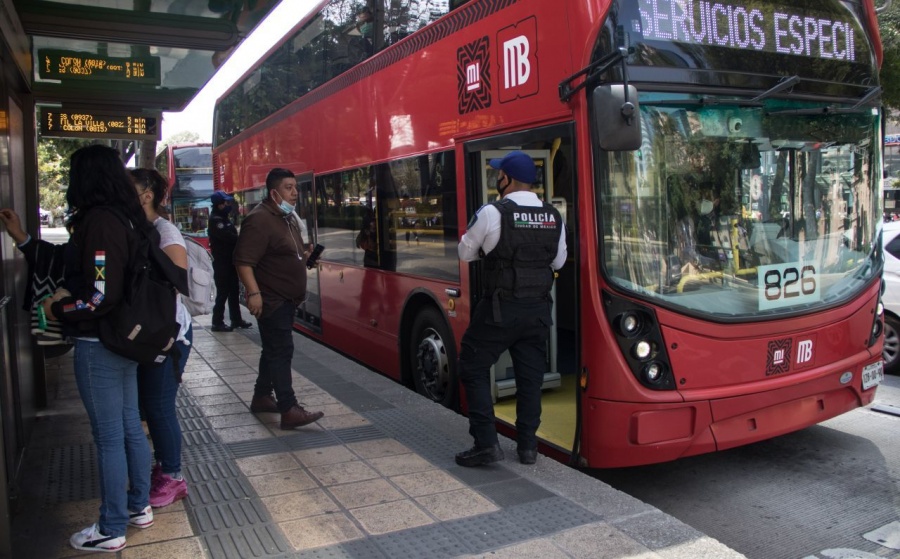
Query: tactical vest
(519,266)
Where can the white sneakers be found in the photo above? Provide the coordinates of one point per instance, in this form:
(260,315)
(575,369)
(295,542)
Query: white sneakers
(91,539)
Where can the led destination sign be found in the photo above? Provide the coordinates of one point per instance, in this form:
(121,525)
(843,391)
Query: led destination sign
(65,65)
(98,124)
(746,25)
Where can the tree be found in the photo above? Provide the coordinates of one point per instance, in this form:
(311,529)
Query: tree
(183,137)
(889,24)
(53,172)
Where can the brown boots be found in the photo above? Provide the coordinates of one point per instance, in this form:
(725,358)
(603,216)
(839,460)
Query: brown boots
(297,417)
(294,417)
(263,404)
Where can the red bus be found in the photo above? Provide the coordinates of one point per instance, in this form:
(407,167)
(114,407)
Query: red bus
(717,164)
(188,168)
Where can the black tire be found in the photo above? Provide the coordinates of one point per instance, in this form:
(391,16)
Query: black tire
(432,358)
(891,351)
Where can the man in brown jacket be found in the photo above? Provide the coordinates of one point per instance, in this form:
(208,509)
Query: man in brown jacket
(270,257)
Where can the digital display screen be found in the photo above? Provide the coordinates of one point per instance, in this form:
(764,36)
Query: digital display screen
(72,65)
(82,123)
(752,26)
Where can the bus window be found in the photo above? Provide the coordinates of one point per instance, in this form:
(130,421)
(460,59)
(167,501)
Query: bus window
(344,199)
(418,197)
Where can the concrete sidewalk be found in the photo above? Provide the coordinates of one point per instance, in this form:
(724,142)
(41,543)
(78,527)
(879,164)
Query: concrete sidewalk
(374,478)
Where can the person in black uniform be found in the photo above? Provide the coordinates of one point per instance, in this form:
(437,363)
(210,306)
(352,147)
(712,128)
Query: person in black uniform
(223,236)
(522,241)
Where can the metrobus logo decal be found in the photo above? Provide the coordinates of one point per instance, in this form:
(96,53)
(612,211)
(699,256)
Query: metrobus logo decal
(517,59)
(473,72)
(778,360)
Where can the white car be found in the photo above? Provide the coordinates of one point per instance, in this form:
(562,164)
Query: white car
(891,297)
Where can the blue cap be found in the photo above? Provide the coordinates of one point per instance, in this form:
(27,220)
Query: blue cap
(219,197)
(518,165)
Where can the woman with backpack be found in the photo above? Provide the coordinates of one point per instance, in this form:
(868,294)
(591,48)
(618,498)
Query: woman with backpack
(158,383)
(96,259)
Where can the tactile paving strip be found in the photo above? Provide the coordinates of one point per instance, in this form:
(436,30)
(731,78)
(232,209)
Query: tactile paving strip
(222,506)
(434,542)
(401,426)
(548,516)
(487,531)
(356,549)
(512,492)
(258,541)
(72,474)
(260,447)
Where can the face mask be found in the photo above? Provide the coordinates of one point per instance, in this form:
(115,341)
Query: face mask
(501,189)
(284,206)
(365,29)
(706,206)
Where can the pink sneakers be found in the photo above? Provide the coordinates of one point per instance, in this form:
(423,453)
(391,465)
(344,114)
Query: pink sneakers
(165,490)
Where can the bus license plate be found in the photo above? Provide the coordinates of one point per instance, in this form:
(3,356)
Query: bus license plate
(872,375)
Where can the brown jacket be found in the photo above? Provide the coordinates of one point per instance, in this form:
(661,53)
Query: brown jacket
(271,243)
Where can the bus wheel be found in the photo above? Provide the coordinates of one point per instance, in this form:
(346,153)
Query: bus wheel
(891,351)
(433,358)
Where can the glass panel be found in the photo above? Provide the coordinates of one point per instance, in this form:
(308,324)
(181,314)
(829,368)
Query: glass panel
(733,211)
(418,197)
(191,216)
(343,34)
(344,201)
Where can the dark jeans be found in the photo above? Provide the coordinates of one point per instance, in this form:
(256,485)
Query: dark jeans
(523,329)
(227,289)
(157,389)
(277,334)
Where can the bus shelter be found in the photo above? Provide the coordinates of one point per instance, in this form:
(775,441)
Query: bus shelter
(98,69)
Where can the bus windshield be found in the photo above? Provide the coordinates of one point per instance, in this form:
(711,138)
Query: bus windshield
(734,210)
(191,189)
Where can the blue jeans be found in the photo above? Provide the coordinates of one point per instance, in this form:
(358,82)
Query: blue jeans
(276,330)
(157,388)
(108,386)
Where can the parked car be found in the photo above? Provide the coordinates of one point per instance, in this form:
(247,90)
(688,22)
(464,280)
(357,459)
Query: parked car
(891,297)
(46,217)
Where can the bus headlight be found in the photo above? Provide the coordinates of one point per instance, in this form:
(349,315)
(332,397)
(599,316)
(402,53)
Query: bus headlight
(654,372)
(642,350)
(879,309)
(629,324)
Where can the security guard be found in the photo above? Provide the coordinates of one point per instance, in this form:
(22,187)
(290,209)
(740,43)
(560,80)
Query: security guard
(522,241)
(223,236)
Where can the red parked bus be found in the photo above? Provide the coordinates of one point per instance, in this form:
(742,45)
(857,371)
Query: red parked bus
(188,168)
(717,164)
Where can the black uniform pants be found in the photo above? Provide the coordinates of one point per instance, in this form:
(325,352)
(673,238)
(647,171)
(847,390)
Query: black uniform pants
(523,329)
(227,289)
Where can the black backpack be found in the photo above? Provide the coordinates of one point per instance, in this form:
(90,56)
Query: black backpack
(142,327)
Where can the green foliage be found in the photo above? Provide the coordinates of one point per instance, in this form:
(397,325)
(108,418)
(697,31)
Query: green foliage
(183,137)
(53,171)
(889,23)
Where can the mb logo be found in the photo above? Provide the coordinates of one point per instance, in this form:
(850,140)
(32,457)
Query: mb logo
(518,60)
(804,352)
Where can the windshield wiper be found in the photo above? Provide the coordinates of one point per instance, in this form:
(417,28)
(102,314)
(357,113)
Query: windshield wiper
(707,102)
(785,83)
(864,105)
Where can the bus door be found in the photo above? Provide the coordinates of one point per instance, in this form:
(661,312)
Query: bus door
(309,313)
(503,380)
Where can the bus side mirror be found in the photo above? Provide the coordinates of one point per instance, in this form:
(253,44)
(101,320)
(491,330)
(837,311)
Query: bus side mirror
(617,119)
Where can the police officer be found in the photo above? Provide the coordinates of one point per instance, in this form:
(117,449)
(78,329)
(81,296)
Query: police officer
(522,241)
(223,236)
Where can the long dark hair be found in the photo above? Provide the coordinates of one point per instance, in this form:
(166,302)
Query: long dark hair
(150,179)
(97,177)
